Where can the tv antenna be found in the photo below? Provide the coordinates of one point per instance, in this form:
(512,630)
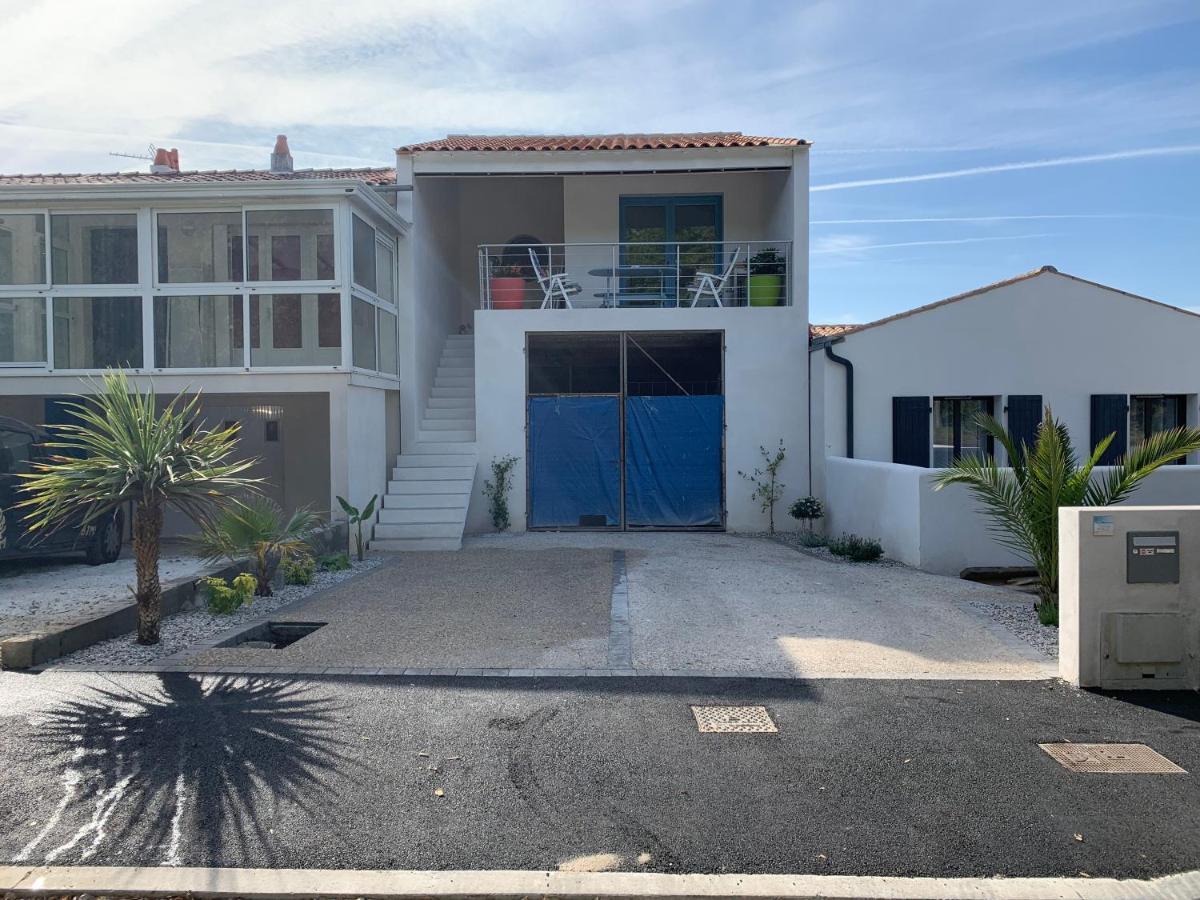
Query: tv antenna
(149,154)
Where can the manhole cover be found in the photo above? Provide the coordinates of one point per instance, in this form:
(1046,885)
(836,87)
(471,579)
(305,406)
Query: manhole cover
(1121,759)
(741,719)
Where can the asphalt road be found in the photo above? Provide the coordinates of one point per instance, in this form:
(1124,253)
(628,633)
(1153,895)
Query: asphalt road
(865,777)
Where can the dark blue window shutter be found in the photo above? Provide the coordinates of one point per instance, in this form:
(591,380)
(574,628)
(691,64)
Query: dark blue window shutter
(910,431)
(1024,417)
(1110,413)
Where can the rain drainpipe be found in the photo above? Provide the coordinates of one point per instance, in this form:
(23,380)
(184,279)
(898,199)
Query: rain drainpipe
(849,367)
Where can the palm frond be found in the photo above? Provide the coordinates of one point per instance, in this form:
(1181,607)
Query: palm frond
(1158,450)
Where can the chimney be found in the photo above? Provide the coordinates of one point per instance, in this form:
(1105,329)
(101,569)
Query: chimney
(281,156)
(165,161)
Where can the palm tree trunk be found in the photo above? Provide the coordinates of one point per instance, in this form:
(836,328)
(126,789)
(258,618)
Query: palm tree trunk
(147,529)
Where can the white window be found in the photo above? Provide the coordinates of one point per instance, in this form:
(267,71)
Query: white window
(94,248)
(97,332)
(389,358)
(22,331)
(289,245)
(385,270)
(295,330)
(365,273)
(22,249)
(198,332)
(363,330)
(200,247)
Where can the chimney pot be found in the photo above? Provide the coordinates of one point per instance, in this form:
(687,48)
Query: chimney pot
(165,161)
(281,156)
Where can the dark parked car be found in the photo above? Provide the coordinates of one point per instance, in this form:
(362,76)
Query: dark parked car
(99,540)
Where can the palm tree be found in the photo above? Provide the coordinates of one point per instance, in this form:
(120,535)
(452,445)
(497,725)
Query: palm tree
(260,529)
(1022,501)
(121,449)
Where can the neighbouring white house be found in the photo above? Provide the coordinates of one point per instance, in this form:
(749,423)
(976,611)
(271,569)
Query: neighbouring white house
(623,314)
(273,291)
(896,398)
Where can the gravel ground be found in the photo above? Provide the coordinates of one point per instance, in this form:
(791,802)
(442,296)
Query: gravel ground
(1021,619)
(186,629)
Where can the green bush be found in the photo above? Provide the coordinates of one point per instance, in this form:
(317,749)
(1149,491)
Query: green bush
(496,490)
(811,539)
(225,598)
(855,548)
(299,569)
(335,562)
(806,509)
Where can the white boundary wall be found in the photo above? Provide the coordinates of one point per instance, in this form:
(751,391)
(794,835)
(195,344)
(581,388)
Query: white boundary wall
(765,394)
(944,531)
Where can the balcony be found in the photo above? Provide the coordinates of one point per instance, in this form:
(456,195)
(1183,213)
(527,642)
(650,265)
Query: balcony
(635,275)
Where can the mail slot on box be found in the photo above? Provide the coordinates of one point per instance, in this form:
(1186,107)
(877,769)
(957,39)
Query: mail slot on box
(1152,557)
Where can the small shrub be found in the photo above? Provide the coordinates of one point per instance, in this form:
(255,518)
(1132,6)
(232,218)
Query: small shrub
(225,598)
(356,516)
(806,509)
(811,539)
(299,569)
(496,490)
(335,562)
(855,548)
(1047,613)
(768,489)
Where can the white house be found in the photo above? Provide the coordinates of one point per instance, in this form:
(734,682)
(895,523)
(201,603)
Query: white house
(624,314)
(273,291)
(894,398)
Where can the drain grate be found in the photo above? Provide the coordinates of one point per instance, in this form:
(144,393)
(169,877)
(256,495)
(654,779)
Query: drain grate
(1112,759)
(734,719)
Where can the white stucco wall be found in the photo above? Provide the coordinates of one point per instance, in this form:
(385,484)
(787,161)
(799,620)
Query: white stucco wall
(765,393)
(945,531)
(361,420)
(1050,335)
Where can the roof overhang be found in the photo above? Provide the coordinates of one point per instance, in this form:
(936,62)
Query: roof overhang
(600,162)
(35,195)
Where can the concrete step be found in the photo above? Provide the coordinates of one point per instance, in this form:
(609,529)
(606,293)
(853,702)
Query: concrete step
(453,412)
(443,391)
(465,357)
(425,460)
(458,423)
(450,381)
(414,544)
(418,516)
(433,473)
(437,435)
(441,447)
(452,403)
(423,530)
(460,486)
(460,339)
(427,501)
(448,369)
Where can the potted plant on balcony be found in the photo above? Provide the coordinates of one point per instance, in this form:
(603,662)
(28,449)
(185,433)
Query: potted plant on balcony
(506,286)
(767,272)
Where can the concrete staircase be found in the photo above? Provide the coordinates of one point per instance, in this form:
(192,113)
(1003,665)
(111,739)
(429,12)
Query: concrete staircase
(425,507)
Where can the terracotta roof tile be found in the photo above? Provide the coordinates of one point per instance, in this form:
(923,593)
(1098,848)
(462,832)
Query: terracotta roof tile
(539,142)
(372,176)
(825,331)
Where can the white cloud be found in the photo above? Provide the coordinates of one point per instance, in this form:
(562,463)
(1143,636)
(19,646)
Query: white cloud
(855,245)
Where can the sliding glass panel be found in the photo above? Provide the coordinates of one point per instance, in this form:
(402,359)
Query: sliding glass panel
(973,440)
(23,330)
(94,249)
(288,330)
(385,271)
(23,249)
(290,244)
(97,332)
(364,254)
(646,265)
(196,248)
(363,330)
(197,332)
(697,229)
(389,359)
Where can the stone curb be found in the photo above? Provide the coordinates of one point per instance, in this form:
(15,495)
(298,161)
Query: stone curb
(26,881)
(27,651)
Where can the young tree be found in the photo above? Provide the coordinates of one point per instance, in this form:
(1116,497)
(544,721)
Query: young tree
(261,530)
(121,449)
(1022,501)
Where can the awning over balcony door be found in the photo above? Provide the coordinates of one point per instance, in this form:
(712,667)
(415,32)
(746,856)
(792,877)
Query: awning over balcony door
(626,430)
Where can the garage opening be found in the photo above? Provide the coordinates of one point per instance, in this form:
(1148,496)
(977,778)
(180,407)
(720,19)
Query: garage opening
(626,430)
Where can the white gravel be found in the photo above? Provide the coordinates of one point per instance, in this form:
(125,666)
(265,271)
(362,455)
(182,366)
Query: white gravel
(184,630)
(37,595)
(1021,619)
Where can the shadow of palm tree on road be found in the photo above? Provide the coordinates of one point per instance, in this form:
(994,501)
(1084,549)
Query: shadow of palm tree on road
(197,769)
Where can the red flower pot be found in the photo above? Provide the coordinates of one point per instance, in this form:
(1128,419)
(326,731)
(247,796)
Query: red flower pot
(507,293)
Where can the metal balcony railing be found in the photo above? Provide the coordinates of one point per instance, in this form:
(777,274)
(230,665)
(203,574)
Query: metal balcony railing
(635,275)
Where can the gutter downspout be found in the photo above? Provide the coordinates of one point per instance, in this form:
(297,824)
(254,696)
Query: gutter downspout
(849,367)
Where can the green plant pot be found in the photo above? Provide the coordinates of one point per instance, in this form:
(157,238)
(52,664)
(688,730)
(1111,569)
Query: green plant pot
(766,290)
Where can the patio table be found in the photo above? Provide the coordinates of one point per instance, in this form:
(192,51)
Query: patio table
(632,270)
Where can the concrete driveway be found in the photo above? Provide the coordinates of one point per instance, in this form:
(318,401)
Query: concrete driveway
(742,605)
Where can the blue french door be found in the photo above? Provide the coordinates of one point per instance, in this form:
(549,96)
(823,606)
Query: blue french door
(658,223)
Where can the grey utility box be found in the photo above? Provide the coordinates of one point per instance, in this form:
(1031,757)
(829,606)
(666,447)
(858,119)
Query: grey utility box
(1152,557)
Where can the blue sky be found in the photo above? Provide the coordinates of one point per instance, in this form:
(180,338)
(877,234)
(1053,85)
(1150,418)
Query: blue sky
(1109,92)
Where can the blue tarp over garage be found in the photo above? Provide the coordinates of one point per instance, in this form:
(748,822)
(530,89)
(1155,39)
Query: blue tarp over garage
(574,461)
(673,461)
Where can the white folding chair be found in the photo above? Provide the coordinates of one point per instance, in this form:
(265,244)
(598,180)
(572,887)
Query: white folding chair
(554,287)
(709,284)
